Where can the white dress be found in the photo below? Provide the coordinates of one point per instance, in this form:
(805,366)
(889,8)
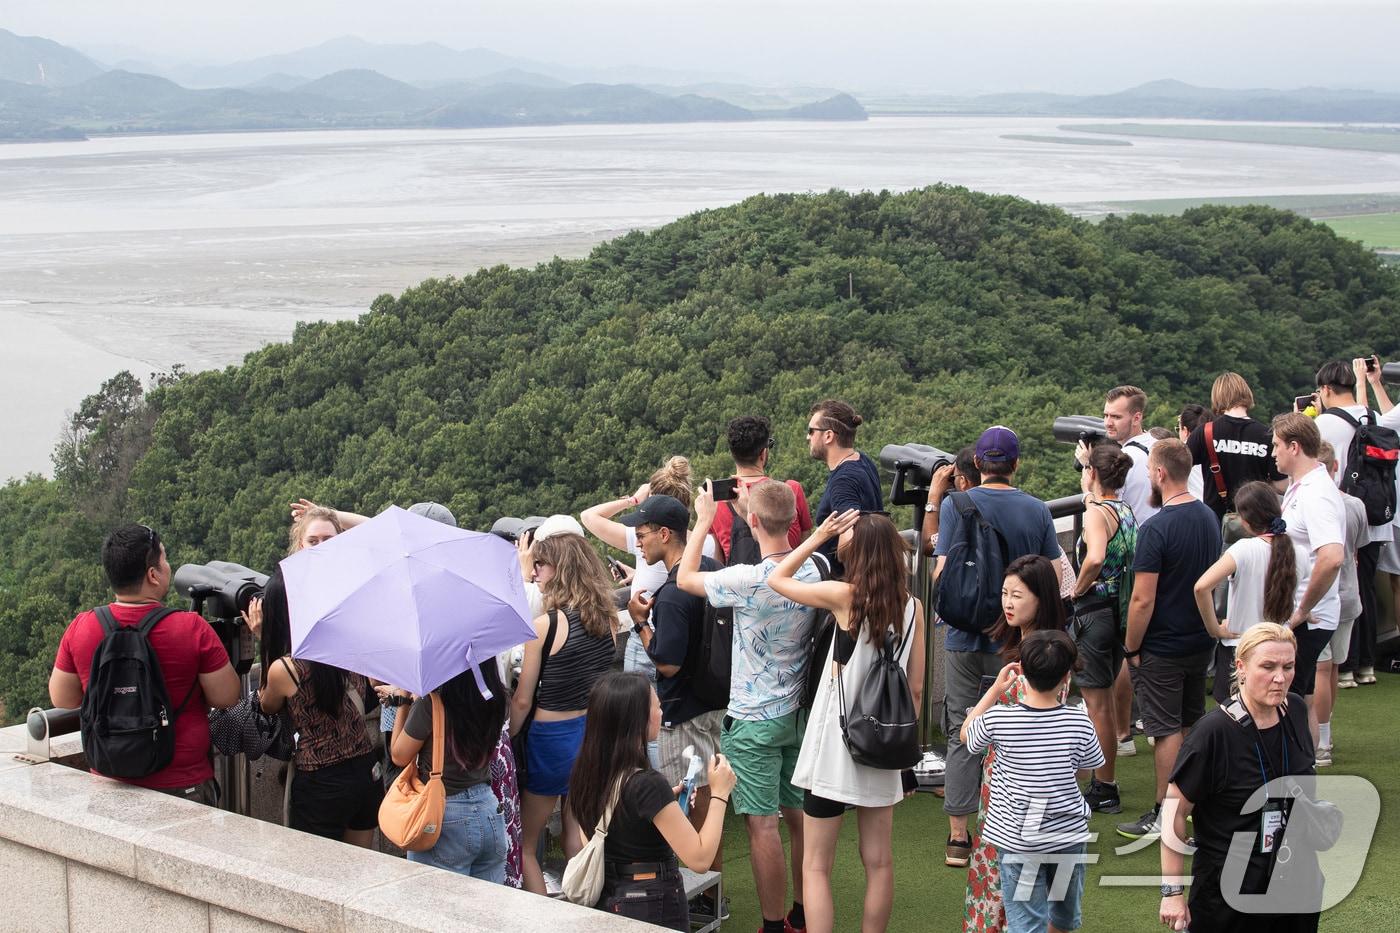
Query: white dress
(824,765)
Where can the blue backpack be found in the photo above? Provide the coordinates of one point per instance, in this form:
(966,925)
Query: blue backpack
(969,588)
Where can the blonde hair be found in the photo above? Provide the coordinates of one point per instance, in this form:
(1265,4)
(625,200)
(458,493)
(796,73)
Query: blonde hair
(316,513)
(1230,390)
(1258,634)
(580,582)
(775,505)
(673,479)
(1326,455)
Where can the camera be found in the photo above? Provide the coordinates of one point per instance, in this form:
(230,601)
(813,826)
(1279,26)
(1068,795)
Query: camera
(512,528)
(1071,429)
(225,589)
(913,466)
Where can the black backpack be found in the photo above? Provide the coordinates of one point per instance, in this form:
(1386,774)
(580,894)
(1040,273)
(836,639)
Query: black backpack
(127,720)
(969,588)
(709,655)
(1371,460)
(743,546)
(881,729)
(817,645)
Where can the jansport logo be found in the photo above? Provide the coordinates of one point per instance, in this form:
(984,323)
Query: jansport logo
(123,690)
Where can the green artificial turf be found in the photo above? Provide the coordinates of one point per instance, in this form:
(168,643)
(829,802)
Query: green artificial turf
(929,896)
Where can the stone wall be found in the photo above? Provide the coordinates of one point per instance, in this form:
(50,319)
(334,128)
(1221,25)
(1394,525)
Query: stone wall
(83,853)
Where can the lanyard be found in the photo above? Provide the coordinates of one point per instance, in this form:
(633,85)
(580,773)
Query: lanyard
(1262,756)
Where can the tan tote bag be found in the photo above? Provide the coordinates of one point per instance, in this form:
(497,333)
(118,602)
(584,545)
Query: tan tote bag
(410,815)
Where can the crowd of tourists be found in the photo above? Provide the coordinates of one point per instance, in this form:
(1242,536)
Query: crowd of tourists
(759,657)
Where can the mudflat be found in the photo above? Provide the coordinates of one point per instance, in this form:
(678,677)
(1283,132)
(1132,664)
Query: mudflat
(144,252)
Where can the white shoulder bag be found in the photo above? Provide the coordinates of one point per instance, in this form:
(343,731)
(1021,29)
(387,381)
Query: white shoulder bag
(583,876)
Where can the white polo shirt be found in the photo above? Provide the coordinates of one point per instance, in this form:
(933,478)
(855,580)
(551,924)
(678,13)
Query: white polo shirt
(1316,516)
(1137,488)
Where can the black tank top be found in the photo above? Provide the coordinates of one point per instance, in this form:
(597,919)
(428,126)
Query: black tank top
(570,674)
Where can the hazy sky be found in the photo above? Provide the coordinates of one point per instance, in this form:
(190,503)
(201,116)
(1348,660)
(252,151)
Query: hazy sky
(987,45)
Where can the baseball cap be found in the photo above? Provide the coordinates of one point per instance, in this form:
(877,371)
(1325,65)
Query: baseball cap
(434,510)
(998,444)
(558,525)
(666,511)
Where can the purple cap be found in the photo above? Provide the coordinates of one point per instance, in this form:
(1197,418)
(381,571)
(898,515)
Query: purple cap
(998,444)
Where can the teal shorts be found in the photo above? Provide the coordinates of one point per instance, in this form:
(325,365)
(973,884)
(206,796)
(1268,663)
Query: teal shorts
(763,755)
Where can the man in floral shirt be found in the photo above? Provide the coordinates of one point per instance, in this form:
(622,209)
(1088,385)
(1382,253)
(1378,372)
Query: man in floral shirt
(762,733)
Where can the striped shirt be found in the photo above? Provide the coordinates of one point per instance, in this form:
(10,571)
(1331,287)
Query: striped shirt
(1035,804)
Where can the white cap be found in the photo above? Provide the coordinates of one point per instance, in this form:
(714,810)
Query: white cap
(558,525)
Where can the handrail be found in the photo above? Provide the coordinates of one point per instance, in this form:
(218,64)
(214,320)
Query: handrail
(47,723)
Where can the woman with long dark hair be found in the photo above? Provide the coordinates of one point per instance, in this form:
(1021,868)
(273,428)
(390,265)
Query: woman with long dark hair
(1030,602)
(580,612)
(1263,570)
(1101,595)
(648,833)
(336,790)
(871,606)
(473,839)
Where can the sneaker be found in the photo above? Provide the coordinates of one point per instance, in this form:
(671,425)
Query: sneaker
(1102,797)
(789,928)
(704,905)
(1345,680)
(1127,748)
(957,854)
(1323,756)
(1365,675)
(1137,727)
(1151,742)
(1147,825)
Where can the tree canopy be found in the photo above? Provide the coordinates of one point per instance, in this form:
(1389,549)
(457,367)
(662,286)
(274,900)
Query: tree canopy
(935,312)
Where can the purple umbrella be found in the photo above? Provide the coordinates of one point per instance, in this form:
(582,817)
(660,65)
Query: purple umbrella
(406,600)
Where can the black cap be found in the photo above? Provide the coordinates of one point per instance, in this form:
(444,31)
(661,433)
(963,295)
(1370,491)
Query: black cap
(665,511)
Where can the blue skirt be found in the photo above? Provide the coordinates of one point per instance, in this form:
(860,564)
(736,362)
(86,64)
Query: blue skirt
(550,750)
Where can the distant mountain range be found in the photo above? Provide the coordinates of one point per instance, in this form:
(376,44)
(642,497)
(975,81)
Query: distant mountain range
(48,91)
(1168,98)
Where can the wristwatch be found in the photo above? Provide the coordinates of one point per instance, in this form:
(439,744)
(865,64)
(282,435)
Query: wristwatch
(1172,890)
(930,506)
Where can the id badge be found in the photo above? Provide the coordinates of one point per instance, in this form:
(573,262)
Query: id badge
(1272,821)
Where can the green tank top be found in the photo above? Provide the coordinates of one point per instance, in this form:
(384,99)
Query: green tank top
(1115,582)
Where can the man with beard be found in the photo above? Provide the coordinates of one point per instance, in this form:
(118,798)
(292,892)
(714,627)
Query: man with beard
(1166,644)
(854,480)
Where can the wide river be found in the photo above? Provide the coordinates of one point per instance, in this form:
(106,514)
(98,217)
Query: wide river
(142,252)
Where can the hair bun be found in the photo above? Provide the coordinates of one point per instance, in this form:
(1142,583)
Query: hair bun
(857,420)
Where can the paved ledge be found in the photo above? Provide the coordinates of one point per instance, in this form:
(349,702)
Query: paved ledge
(95,854)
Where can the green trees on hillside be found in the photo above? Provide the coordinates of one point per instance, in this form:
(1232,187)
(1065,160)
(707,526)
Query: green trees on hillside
(935,312)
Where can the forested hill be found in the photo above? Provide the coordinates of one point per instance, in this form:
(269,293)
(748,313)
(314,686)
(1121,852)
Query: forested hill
(936,312)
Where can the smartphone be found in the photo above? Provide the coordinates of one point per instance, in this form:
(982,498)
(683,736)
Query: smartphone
(1301,402)
(617,569)
(1371,362)
(724,489)
(987,682)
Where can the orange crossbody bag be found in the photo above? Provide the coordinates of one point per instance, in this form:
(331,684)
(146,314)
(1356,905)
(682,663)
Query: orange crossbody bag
(410,815)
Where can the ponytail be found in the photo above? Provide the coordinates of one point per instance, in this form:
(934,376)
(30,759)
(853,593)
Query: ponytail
(1259,506)
(1281,581)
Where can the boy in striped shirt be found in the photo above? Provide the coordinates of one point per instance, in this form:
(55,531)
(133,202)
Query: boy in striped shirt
(1036,817)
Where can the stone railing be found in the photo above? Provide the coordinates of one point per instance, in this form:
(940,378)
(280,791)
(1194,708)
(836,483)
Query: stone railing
(83,853)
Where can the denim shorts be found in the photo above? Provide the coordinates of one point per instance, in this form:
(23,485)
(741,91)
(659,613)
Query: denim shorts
(473,839)
(550,750)
(1052,894)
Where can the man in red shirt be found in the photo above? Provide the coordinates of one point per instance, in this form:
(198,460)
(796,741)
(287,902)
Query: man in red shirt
(192,659)
(751,445)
